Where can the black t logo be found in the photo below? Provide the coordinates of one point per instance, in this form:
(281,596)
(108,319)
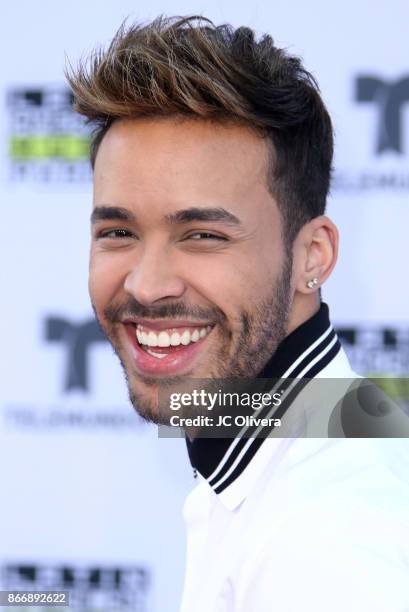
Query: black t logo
(76,339)
(389,98)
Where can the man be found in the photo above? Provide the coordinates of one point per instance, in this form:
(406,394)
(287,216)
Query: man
(212,158)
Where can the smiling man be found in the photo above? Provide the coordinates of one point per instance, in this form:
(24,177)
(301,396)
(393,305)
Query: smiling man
(212,156)
(190,274)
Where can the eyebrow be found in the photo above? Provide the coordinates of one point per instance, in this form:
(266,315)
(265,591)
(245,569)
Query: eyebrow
(187,215)
(202,214)
(107,213)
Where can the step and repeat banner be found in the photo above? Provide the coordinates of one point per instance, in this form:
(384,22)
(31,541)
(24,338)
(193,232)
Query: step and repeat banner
(91,499)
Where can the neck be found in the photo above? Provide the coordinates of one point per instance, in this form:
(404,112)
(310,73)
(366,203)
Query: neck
(303,308)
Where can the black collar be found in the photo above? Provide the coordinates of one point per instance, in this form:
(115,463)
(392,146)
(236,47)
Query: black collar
(303,353)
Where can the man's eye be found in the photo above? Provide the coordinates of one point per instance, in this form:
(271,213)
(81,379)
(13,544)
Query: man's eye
(114,233)
(204,236)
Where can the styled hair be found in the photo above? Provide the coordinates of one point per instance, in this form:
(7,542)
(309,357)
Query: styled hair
(188,67)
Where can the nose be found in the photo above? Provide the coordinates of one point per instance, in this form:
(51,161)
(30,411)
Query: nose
(153,278)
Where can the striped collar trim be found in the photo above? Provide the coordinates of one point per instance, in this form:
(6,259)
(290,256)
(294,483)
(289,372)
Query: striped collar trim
(302,355)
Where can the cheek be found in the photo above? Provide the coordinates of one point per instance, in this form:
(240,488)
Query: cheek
(106,277)
(232,283)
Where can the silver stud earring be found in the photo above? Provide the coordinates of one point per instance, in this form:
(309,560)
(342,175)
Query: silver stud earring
(311,284)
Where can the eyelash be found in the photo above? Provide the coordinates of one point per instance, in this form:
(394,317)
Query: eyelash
(209,236)
(105,234)
(127,234)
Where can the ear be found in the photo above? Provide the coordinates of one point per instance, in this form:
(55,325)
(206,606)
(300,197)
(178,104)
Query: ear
(315,254)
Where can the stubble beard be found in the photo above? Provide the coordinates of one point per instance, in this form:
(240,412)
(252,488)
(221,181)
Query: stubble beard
(261,331)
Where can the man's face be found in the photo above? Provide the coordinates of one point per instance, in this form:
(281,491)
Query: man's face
(189,277)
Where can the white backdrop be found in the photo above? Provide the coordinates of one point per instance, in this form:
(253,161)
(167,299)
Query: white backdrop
(91,499)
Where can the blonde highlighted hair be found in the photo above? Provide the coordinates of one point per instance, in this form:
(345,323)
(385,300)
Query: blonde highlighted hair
(187,66)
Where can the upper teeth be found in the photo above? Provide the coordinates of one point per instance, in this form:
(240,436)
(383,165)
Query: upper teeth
(171,338)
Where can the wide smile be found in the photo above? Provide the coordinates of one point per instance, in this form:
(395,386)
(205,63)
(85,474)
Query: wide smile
(165,348)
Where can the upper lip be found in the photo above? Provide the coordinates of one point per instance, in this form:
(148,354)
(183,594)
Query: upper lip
(164,323)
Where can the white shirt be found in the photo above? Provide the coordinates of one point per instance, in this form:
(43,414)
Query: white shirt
(307,524)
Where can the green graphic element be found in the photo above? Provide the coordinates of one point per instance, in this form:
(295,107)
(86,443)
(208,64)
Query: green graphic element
(395,387)
(70,148)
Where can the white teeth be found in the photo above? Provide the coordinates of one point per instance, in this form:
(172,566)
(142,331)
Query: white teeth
(185,339)
(175,339)
(165,339)
(157,355)
(152,339)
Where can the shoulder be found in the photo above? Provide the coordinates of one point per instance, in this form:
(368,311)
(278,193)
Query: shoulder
(336,533)
(354,492)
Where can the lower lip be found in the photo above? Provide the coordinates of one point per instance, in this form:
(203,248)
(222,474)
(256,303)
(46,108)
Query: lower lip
(176,362)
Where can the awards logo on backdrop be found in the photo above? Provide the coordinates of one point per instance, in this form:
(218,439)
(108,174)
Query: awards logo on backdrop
(377,350)
(75,341)
(388,99)
(385,168)
(48,143)
(89,588)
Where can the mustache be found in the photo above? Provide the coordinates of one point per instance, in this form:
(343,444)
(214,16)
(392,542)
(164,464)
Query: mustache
(172,310)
